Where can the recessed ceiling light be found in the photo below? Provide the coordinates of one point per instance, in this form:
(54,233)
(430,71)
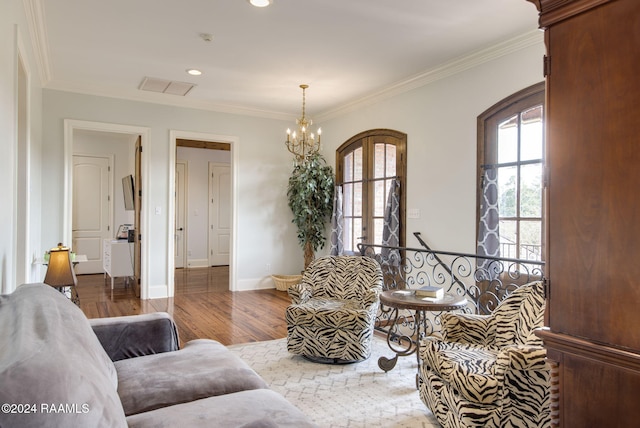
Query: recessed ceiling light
(261,3)
(194,72)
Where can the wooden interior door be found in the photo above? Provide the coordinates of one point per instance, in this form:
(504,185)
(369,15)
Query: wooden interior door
(138,209)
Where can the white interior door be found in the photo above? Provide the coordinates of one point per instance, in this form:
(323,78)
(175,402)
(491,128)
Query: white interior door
(181,209)
(92,202)
(219,214)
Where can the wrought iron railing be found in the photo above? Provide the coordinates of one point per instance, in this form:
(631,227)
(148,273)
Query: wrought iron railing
(484,281)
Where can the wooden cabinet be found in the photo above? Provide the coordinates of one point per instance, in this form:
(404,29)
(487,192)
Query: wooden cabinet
(117,259)
(593,242)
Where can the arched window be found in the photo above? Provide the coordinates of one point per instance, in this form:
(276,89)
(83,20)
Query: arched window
(366,164)
(511,157)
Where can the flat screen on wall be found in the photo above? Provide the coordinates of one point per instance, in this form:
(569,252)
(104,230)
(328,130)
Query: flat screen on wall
(128,192)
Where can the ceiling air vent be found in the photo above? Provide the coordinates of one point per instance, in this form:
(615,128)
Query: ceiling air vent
(165,86)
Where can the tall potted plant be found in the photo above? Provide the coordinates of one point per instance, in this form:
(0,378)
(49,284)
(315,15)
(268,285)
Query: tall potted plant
(310,197)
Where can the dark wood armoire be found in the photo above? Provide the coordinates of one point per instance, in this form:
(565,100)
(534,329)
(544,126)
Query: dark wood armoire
(592,72)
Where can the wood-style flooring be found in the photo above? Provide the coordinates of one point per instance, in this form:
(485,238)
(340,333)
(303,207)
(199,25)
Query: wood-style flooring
(202,306)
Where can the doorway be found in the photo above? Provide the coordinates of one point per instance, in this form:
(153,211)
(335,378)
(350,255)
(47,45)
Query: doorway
(73,128)
(202,204)
(199,201)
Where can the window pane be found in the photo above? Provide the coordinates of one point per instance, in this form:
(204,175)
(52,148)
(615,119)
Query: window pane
(357,199)
(531,190)
(378,224)
(532,136)
(507,191)
(348,234)
(379,198)
(531,240)
(508,238)
(347,199)
(348,167)
(357,164)
(378,161)
(357,232)
(391,160)
(508,140)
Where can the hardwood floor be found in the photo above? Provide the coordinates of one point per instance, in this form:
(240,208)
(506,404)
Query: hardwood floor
(202,306)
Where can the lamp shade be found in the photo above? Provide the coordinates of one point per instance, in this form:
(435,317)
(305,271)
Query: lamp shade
(60,271)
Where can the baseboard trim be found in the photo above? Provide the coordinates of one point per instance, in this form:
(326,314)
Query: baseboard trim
(262,283)
(197,263)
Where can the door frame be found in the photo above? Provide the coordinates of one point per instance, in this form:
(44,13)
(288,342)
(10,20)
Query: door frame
(22,235)
(71,125)
(233,142)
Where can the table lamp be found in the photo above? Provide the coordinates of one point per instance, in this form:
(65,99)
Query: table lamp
(60,271)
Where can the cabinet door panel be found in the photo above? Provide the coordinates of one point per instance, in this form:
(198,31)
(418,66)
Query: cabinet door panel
(594,172)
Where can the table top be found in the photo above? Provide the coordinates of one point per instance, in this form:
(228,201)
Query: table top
(406,299)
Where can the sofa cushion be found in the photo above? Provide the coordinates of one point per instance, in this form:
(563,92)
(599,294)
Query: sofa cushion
(467,368)
(334,313)
(136,335)
(262,408)
(49,356)
(203,368)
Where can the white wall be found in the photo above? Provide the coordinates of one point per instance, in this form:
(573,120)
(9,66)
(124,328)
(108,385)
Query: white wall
(440,120)
(198,199)
(120,147)
(15,42)
(265,234)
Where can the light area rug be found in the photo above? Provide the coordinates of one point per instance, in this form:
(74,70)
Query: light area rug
(343,395)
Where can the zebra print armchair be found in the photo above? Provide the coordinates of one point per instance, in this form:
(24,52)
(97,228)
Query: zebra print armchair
(333,310)
(489,370)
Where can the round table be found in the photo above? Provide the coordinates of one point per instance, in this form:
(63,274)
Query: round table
(403,344)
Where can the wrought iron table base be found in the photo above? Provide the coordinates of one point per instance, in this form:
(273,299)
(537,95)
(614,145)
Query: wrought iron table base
(407,343)
(402,344)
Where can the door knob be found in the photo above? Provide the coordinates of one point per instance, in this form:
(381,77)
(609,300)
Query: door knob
(180,229)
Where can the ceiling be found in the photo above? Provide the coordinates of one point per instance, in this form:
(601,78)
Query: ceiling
(347,51)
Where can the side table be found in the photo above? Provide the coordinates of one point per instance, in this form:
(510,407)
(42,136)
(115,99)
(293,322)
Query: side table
(405,345)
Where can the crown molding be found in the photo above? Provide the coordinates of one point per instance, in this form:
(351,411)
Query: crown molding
(34,11)
(554,11)
(164,99)
(443,71)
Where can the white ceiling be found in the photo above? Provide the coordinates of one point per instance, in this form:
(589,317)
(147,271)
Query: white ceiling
(345,50)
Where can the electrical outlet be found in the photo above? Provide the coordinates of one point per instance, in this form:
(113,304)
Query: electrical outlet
(267,267)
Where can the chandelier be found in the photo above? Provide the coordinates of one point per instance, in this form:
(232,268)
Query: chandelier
(302,143)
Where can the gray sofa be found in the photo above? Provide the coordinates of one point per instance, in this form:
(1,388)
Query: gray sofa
(58,369)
